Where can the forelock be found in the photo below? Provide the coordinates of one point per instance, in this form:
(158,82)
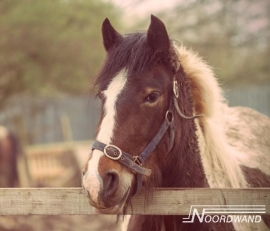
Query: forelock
(133,55)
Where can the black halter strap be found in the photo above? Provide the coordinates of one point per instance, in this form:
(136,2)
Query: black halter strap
(114,153)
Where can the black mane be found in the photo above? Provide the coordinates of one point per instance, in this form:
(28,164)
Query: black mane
(132,54)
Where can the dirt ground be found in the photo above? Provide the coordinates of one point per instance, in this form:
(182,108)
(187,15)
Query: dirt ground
(59,223)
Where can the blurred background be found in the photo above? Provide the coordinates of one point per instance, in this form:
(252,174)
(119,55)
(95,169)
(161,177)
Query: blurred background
(50,51)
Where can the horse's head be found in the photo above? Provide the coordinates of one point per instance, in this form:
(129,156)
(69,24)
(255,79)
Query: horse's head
(135,86)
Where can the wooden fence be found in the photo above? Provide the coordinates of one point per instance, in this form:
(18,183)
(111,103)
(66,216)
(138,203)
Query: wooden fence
(64,201)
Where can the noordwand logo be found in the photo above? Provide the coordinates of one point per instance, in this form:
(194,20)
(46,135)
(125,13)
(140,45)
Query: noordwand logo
(225,213)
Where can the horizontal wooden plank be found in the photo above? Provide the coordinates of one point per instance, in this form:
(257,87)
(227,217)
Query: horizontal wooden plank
(63,201)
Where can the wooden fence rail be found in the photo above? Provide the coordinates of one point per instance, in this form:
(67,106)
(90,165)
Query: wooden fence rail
(63,201)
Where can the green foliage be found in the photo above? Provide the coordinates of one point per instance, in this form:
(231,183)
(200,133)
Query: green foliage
(232,35)
(50,47)
(234,38)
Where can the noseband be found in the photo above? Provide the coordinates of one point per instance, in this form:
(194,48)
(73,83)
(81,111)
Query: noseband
(134,163)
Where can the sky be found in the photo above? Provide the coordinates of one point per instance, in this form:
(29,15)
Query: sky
(133,10)
(140,9)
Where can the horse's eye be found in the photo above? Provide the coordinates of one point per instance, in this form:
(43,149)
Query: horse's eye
(152,97)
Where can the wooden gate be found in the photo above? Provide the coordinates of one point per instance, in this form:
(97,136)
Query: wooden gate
(63,201)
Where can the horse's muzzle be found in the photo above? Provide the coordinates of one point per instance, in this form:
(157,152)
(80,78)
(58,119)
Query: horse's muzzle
(118,209)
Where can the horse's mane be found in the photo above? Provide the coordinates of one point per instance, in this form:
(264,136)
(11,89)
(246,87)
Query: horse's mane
(217,156)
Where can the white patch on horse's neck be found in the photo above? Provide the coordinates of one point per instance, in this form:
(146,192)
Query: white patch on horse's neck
(108,123)
(220,167)
(92,180)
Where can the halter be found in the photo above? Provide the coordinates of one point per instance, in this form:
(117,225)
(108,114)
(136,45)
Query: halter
(134,163)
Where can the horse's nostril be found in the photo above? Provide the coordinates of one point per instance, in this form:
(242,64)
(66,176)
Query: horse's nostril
(110,183)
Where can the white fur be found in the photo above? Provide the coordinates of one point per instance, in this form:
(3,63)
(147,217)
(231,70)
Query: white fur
(108,123)
(92,180)
(221,161)
(245,138)
(124,226)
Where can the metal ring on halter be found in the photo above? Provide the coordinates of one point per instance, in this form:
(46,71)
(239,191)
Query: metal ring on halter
(169,113)
(176,88)
(112,152)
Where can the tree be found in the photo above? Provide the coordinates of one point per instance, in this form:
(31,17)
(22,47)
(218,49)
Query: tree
(50,47)
(232,35)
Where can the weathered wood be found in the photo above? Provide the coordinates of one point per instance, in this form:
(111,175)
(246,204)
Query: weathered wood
(62,201)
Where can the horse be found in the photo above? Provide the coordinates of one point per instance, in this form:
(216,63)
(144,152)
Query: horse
(165,123)
(9,151)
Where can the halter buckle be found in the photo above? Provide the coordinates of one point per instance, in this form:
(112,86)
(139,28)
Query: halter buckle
(176,89)
(112,152)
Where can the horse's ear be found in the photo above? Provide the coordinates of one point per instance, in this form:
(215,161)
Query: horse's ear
(110,36)
(157,36)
